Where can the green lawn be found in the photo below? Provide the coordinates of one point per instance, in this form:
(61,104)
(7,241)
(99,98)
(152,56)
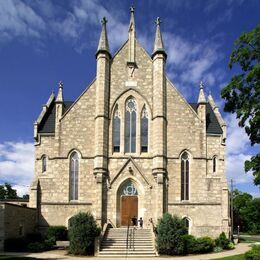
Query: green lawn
(233,257)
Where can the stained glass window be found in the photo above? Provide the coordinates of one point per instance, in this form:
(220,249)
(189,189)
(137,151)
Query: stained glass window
(74,173)
(116,131)
(130,126)
(185,176)
(129,189)
(44,163)
(144,131)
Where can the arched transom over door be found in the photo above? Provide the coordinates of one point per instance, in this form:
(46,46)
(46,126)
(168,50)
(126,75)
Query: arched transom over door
(128,202)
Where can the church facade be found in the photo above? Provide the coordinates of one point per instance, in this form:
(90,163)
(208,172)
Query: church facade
(131,145)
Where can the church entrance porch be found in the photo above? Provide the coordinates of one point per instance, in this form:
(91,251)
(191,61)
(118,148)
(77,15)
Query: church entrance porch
(129,209)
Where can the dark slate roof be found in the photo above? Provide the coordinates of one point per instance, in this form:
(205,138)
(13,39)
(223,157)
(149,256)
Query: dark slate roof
(212,124)
(47,124)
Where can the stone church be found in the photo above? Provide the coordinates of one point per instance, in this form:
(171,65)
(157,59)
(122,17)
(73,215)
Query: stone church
(131,145)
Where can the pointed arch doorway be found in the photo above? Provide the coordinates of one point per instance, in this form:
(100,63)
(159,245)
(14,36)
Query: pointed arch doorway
(128,196)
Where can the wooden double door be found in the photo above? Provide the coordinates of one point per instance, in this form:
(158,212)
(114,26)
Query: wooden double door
(129,209)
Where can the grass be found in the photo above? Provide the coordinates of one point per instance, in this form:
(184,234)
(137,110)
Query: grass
(233,257)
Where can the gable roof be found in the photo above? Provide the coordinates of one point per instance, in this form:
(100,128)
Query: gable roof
(212,124)
(47,124)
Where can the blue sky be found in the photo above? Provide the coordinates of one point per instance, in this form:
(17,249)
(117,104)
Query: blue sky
(42,42)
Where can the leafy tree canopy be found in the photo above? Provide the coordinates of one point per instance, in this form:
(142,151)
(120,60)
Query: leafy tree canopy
(242,94)
(7,192)
(246,212)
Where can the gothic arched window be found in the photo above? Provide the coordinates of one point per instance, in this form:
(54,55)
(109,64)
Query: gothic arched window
(186,223)
(185,176)
(214,166)
(116,131)
(44,163)
(130,126)
(74,176)
(144,131)
(128,189)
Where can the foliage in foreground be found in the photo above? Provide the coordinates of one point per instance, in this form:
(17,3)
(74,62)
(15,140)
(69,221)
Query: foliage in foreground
(246,212)
(82,232)
(57,232)
(253,254)
(242,94)
(170,232)
(172,238)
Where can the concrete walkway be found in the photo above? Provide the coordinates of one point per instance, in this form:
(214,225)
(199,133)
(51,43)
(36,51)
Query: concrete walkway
(62,254)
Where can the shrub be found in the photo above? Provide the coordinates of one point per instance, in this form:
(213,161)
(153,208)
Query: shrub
(198,245)
(203,245)
(34,237)
(58,232)
(82,232)
(222,241)
(190,242)
(170,231)
(253,254)
(41,246)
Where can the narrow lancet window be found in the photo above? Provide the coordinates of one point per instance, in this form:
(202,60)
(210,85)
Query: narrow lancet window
(130,126)
(214,164)
(74,176)
(187,224)
(144,131)
(44,163)
(185,176)
(116,131)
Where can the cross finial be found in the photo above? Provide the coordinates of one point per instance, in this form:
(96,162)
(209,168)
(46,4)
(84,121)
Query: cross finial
(60,84)
(104,20)
(158,21)
(132,9)
(201,85)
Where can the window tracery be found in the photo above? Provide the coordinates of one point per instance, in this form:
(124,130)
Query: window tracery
(185,176)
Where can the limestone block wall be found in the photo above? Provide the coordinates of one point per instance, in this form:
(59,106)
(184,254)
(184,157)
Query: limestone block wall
(139,79)
(205,220)
(16,221)
(183,126)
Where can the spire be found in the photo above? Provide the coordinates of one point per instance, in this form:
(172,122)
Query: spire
(103,41)
(202,98)
(131,38)
(60,92)
(158,42)
(212,102)
(131,28)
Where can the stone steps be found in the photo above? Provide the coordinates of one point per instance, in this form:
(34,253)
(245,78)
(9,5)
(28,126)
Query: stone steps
(114,243)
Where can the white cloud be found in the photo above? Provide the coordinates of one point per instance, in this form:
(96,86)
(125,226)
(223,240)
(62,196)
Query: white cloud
(19,20)
(17,165)
(235,168)
(237,139)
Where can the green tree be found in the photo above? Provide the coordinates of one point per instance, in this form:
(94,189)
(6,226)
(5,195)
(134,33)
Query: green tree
(242,94)
(246,212)
(7,192)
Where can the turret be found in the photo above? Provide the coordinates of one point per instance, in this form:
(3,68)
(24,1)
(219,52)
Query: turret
(59,108)
(103,57)
(159,118)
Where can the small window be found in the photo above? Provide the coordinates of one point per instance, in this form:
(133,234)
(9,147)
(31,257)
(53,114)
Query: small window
(130,125)
(185,168)
(74,176)
(214,164)
(144,131)
(116,131)
(44,163)
(187,224)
